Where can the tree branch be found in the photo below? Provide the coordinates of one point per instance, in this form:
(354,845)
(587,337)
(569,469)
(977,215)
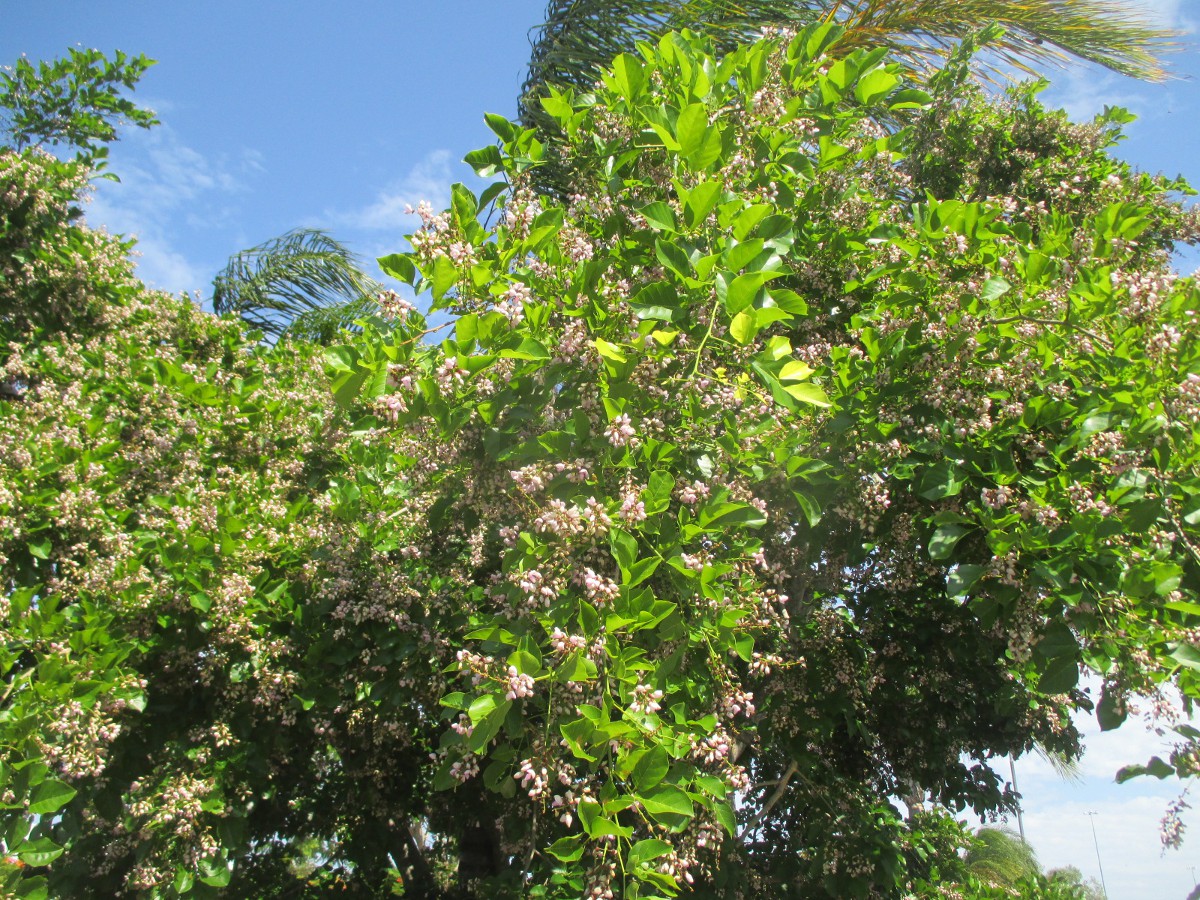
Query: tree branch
(776,796)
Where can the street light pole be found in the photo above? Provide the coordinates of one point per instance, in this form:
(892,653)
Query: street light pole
(1096,842)
(1012,767)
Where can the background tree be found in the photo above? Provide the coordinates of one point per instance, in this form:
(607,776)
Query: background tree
(580,38)
(1072,877)
(75,101)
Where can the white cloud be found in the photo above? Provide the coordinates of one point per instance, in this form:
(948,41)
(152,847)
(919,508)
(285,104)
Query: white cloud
(1084,90)
(160,266)
(429,180)
(1127,818)
(165,182)
(1127,834)
(1166,13)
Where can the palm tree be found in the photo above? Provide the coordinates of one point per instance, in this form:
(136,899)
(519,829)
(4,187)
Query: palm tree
(998,856)
(302,284)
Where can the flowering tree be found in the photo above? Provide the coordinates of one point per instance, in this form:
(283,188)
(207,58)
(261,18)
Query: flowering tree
(803,461)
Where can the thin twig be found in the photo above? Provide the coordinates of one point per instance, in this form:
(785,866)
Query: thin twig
(1103,342)
(775,797)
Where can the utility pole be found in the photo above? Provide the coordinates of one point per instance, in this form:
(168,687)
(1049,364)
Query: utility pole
(1096,842)
(1012,767)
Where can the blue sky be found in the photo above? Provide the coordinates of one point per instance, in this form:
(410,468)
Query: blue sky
(282,114)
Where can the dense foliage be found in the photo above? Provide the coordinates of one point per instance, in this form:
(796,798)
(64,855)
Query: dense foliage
(801,462)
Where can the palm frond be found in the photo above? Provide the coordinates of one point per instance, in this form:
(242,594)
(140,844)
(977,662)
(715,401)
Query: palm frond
(1065,767)
(303,283)
(1110,33)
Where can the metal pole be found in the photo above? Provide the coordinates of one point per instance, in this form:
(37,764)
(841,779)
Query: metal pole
(1012,767)
(1096,841)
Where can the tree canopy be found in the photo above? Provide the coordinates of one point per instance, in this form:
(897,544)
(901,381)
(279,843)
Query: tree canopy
(76,101)
(802,459)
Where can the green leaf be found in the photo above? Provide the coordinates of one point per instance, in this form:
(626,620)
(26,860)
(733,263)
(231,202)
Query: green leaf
(1057,641)
(708,153)
(568,849)
(691,128)
(624,548)
(727,513)
(725,816)
(503,129)
(743,289)
(740,255)
(700,201)
(1110,712)
(41,852)
(810,394)
(657,495)
(557,105)
(1059,675)
(963,578)
(486,161)
(651,768)
(215,873)
(657,300)
(942,544)
(874,85)
(944,479)
(994,288)
(795,371)
(909,99)
(481,707)
(640,571)
(673,257)
(487,727)
(628,76)
(602,827)
(50,796)
(668,800)
(443,277)
(644,851)
(527,349)
(525,663)
(742,328)
(1186,655)
(659,215)
(609,351)
(810,507)
(462,201)
(1156,767)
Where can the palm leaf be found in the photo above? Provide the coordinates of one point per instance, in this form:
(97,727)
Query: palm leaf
(1065,767)
(1110,33)
(302,283)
